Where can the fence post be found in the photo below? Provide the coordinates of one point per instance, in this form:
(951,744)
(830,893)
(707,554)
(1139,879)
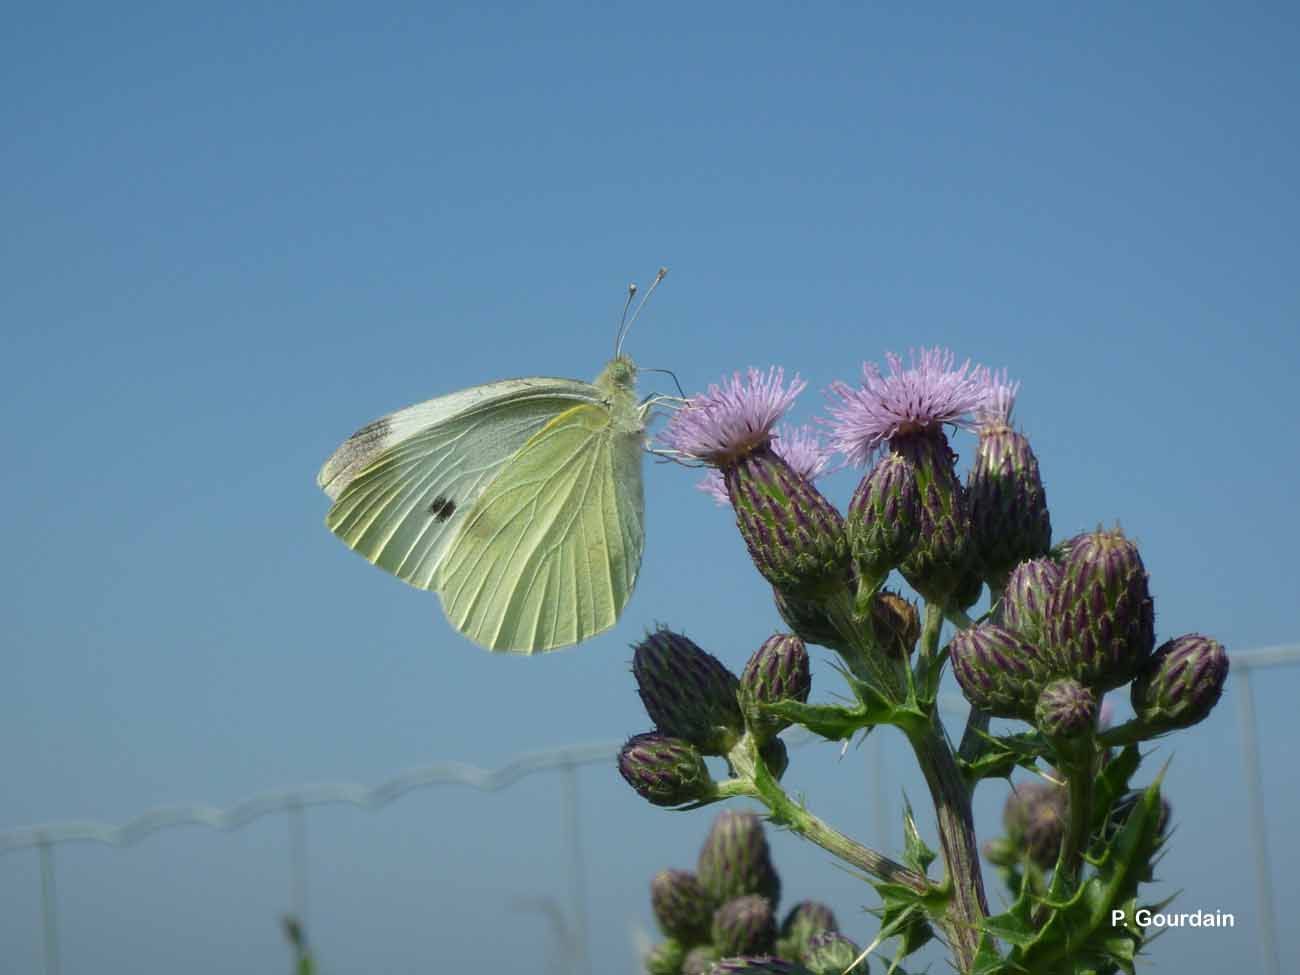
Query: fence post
(577,867)
(298,860)
(1255,801)
(49,907)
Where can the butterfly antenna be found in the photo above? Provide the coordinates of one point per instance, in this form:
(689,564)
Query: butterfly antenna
(622,321)
(627,325)
(669,372)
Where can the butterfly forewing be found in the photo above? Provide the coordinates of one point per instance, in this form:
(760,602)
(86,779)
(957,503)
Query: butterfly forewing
(548,554)
(403,485)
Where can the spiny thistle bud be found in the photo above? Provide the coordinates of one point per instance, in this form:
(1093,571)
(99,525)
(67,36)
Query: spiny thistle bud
(700,960)
(744,926)
(1035,818)
(1100,619)
(1181,682)
(895,624)
(665,958)
(778,671)
(687,693)
(1024,602)
(794,535)
(734,859)
(764,965)
(883,518)
(940,563)
(665,771)
(808,619)
(1009,517)
(830,953)
(1065,709)
(1123,808)
(998,671)
(806,919)
(681,905)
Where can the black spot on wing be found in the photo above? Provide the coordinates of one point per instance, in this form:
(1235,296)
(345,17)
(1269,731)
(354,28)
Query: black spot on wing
(442,508)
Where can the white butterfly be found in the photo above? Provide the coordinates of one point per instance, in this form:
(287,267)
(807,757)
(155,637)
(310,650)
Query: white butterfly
(520,502)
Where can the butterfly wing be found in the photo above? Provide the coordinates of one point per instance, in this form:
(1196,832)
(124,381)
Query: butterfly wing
(403,485)
(549,553)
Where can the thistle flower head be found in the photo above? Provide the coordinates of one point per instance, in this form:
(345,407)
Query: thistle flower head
(731,419)
(830,953)
(805,920)
(1035,817)
(1180,683)
(799,447)
(735,861)
(687,693)
(700,960)
(923,396)
(744,925)
(761,965)
(665,771)
(994,410)
(682,907)
(1065,709)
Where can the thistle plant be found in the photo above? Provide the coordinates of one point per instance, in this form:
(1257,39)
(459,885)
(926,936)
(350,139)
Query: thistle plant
(723,916)
(1066,624)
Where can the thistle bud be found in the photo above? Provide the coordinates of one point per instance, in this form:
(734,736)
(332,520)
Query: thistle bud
(1181,682)
(665,771)
(687,693)
(1009,517)
(764,965)
(1065,709)
(734,859)
(895,624)
(681,905)
(1035,818)
(776,757)
(999,672)
(808,619)
(744,926)
(806,919)
(1100,619)
(700,960)
(778,671)
(794,535)
(830,953)
(883,518)
(665,958)
(1024,602)
(938,566)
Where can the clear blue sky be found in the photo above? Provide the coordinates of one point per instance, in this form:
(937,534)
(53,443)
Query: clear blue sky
(232,235)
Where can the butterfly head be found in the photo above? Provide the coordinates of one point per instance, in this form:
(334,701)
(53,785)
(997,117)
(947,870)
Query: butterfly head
(619,375)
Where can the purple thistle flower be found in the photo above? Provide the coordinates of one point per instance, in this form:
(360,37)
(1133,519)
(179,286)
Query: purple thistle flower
(926,395)
(731,420)
(799,447)
(999,398)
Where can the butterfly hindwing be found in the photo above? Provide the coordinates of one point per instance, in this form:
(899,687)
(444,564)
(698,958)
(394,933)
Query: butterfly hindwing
(549,552)
(403,485)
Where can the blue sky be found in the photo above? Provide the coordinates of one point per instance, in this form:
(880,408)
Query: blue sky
(233,235)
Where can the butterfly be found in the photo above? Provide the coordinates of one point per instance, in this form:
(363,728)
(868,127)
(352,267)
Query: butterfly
(519,502)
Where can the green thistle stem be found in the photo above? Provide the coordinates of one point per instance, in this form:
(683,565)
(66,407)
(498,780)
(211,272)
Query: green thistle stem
(948,789)
(1079,780)
(759,783)
(951,796)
